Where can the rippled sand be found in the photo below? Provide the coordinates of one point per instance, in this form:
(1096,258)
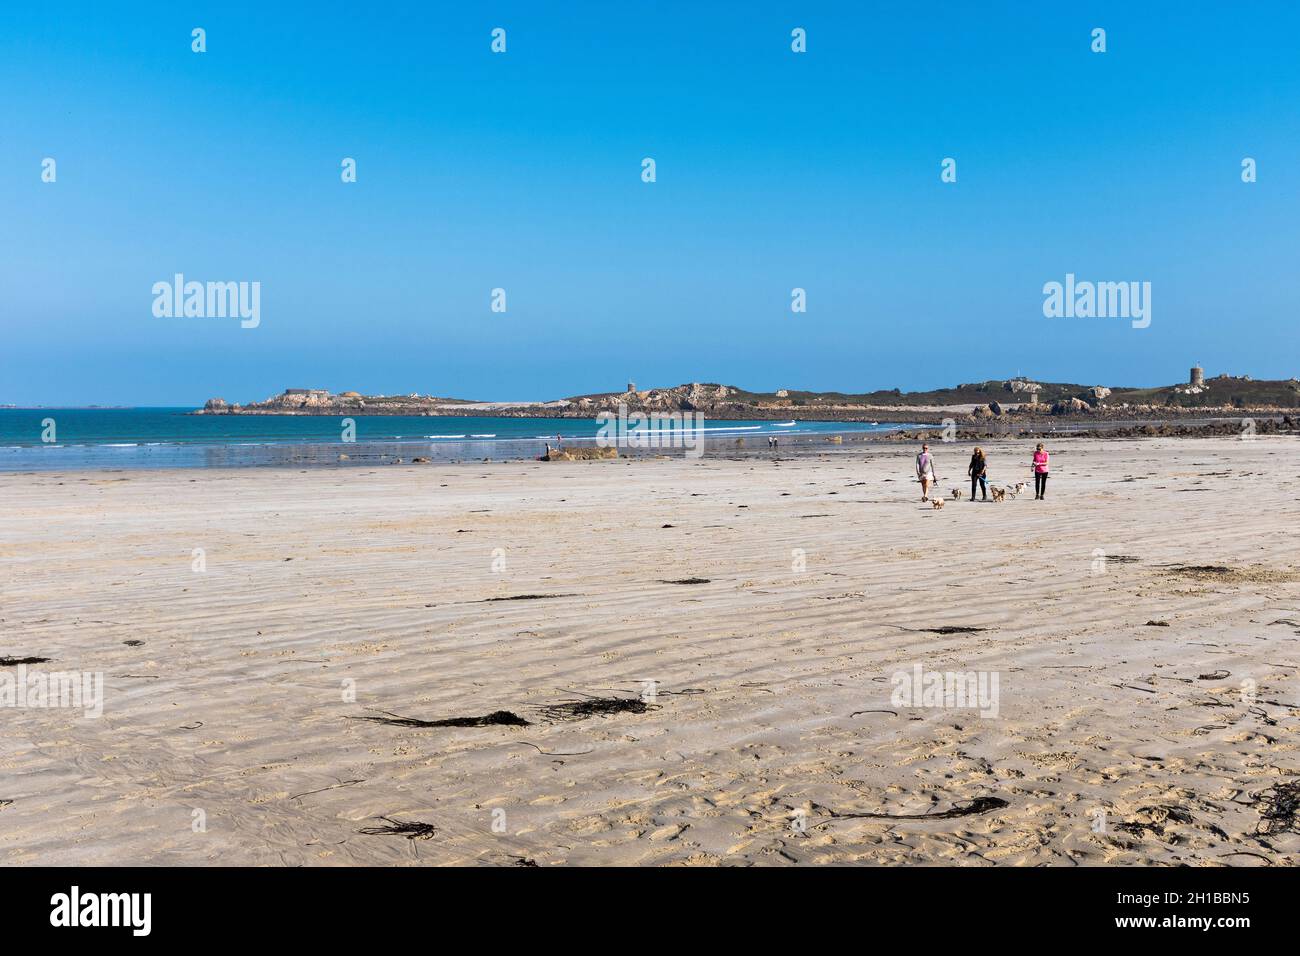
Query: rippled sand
(767,721)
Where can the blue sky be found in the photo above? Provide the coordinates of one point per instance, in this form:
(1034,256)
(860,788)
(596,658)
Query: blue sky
(522,171)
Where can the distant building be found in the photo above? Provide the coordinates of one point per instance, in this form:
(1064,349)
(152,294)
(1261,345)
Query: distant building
(307,391)
(1198,375)
(631,386)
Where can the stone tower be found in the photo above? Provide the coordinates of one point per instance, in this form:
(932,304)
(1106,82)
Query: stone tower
(1198,375)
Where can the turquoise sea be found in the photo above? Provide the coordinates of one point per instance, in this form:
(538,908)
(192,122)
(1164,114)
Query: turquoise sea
(44,439)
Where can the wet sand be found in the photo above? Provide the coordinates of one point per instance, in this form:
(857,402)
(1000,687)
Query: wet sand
(762,728)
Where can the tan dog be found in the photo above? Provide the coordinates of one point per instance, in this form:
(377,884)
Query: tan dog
(999,494)
(938,504)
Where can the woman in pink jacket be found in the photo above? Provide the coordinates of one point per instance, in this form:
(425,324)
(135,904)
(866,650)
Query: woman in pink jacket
(1040,473)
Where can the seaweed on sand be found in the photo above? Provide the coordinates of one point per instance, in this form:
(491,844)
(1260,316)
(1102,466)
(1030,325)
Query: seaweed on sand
(15,661)
(1279,807)
(966,809)
(498,718)
(595,707)
(1153,819)
(414,830)
(1226,575)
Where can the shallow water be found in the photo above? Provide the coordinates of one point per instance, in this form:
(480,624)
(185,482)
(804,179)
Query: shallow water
(45,439)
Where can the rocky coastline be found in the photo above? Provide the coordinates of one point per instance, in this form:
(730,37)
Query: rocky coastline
(986,408)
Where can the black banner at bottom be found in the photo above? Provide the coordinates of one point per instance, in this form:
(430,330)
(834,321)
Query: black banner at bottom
(338,905)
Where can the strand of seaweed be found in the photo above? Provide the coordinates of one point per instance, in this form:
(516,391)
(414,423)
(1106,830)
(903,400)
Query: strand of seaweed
(498,718)
(574,709)
(944,629)
(965,808)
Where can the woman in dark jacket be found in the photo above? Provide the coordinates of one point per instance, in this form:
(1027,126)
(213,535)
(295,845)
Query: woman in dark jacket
(977,472)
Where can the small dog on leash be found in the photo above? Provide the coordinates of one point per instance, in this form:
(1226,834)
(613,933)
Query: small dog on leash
(956,494)
(938,504)
(1020,486)
(999,494)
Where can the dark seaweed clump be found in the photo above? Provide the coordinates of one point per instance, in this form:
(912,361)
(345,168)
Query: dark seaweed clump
(1279,807)
(498,718)
(414,830)
(595,707)
(15,661)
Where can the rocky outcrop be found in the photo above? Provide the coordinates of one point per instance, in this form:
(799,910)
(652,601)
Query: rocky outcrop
(579,454)
(1018,385)
(684,398)
(294,399)
(1071,406)
(1099,392)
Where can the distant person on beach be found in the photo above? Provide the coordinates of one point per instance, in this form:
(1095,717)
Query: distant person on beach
(1040,473)
(925,471)
(978,472)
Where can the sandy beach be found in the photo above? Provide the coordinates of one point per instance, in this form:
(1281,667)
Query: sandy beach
(750,613)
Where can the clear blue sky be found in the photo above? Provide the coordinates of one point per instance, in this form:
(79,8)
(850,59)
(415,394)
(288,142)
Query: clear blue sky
(522,171)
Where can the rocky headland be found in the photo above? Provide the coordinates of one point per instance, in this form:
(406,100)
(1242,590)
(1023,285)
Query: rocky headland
(997,404)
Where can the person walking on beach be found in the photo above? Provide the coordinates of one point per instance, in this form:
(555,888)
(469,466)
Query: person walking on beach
(925,471)
(978,472)
(1040,473)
